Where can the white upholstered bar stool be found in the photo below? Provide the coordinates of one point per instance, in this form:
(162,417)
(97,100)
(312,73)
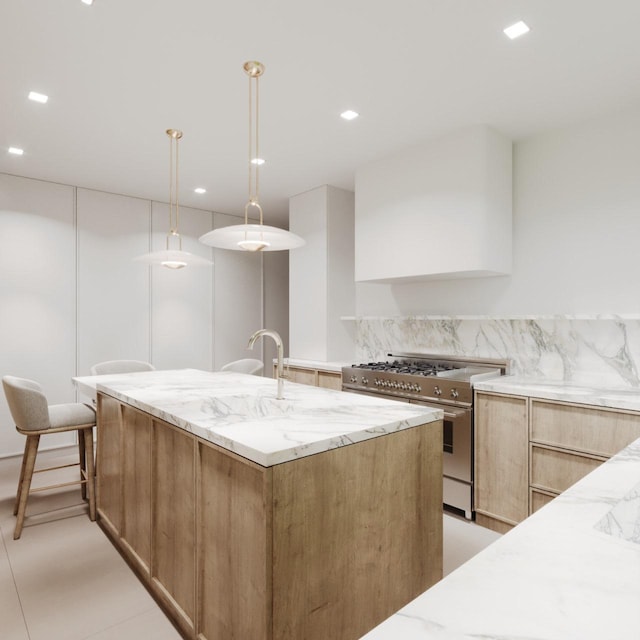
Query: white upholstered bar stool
(246,365)
(120,366)
(34,417)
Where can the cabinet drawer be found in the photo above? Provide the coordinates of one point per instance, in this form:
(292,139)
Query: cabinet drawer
(537,499)
(595,431)
(556,471)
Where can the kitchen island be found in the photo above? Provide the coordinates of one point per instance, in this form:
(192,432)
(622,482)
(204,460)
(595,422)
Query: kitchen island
(313,517)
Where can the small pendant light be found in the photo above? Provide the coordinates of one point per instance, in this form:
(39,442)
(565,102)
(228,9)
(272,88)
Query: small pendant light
(173,257)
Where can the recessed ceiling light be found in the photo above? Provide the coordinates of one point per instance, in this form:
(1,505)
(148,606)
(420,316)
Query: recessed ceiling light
(349,115)
(257,161)
(516,30)
(38,97)
(89,2)
(16,151)
(200,190)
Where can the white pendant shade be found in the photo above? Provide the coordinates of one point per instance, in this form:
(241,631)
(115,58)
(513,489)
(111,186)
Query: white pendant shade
(173,259)
(252,237)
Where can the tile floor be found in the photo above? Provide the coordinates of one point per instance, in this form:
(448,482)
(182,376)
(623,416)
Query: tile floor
(63,580)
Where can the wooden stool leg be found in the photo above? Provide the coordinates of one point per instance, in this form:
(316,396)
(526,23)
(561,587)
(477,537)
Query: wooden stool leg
(90,475)
(83,462)
(19,490)
(30,455)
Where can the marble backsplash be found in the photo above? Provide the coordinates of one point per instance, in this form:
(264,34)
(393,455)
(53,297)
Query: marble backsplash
(600,350)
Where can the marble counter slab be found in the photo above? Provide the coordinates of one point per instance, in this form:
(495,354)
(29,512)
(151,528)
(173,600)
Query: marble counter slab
(240,412)
(571,571)
(615,398)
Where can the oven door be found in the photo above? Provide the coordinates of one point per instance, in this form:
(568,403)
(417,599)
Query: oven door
(457,443)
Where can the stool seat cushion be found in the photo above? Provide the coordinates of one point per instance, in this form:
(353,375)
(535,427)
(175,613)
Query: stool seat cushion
(70,414)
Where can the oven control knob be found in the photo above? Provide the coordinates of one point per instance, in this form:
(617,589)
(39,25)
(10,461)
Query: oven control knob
(353,379)
(376,382)
(454,393)
(395,385)
(437,391)
(364,380)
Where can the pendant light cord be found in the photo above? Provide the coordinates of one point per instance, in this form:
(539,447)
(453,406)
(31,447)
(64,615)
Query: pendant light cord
(174,207)
(254,143)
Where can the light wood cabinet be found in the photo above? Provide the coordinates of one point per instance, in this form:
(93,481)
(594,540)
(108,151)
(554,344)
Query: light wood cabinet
(501,460)
(568,441)
(313,376)
(324,546)
(529,450)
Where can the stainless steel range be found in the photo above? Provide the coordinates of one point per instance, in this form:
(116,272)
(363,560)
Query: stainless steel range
(442,382)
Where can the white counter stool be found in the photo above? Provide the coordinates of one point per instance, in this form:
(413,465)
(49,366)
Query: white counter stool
(246,365)
(120,366)
(34,417)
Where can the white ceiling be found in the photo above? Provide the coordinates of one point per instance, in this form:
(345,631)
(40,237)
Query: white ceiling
(122,71)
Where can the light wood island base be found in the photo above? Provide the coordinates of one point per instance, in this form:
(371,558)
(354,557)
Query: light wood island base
(324,546)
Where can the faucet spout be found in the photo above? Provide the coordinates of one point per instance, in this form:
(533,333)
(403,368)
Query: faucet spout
(280,367)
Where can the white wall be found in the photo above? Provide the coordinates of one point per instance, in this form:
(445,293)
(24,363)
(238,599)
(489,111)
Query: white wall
(37,293)
(321,274)
(276,303)
(576,232)
(182,299)
(71,294)
(237,301)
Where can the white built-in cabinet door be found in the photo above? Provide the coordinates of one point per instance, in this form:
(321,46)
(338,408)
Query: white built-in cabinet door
(113,291)
(181,299)
(237,300)
(37,294)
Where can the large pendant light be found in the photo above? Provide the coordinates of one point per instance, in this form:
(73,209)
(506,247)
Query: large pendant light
(173,257)
(253,237)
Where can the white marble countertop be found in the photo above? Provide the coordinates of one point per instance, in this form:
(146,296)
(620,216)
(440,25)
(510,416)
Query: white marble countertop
(571,571)
(591,394)
(240,412)
(334,367)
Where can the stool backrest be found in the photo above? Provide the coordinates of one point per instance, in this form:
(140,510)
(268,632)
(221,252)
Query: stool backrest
(246,365)
(28,405)
(120,366)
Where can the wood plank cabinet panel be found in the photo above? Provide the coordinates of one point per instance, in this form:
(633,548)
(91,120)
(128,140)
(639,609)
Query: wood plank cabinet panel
(136,480)
(601,432)
(339,570)
(109,464)
(556,470)
(173,520)
(234,556)
(501,459)
(301,376)
(330,380)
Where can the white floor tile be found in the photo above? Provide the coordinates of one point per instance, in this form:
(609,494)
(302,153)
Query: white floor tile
(152,624)
(11,619)
(463,539)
